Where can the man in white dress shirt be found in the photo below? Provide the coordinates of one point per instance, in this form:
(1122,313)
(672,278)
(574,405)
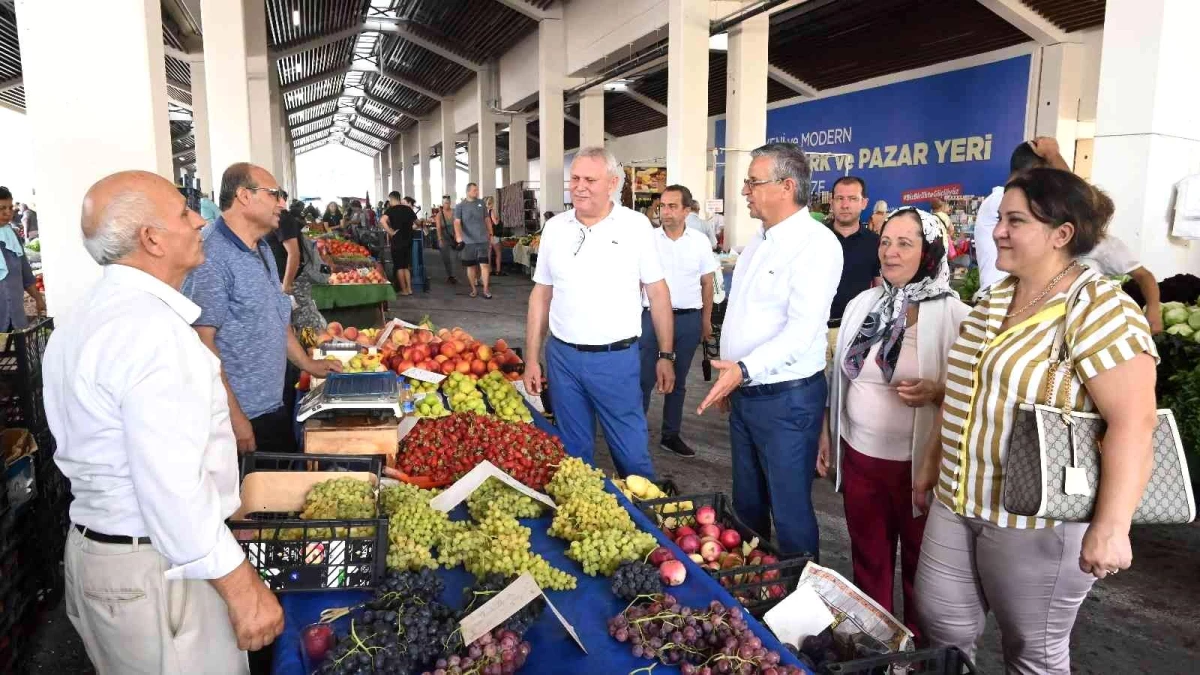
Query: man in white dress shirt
(688,263)
(704,227)
(592,264)
(155,581)
(773,344)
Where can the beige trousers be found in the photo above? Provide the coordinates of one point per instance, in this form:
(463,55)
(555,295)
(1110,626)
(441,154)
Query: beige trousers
(1029,578)
(133,620)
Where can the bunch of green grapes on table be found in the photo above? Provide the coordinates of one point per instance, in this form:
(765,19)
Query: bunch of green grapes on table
(504,398)
(499,544)
(414,527)
(495,495)
(462,394)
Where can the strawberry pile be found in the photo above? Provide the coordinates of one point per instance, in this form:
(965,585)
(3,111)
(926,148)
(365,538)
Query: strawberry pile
(446,449)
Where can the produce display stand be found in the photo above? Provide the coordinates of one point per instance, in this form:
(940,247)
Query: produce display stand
(587,608)
(353,304)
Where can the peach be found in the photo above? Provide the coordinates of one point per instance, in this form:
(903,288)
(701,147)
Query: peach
(350,333)
(478,367)
(334,328)
(463,367)
(484,352)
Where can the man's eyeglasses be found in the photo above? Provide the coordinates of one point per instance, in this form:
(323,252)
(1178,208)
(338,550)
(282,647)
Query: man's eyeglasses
(751,183)
(579,242)
(277,193)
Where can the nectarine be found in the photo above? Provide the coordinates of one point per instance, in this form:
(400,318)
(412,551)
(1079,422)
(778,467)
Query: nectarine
(484,352)
(447,349)
(350,333)
(447,368)
(463,367)
(478,367)
(334,328)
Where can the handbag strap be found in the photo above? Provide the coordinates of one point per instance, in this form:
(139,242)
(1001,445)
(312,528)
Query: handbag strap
(1060,356)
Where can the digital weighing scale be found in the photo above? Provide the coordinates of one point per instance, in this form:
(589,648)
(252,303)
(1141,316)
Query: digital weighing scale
(359,392)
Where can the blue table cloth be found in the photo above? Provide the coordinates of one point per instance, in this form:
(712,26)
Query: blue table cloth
(588,608)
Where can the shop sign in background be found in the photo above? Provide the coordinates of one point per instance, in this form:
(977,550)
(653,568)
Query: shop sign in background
(944,134)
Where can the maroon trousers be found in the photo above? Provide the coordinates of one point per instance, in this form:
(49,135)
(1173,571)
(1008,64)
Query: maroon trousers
(878,500)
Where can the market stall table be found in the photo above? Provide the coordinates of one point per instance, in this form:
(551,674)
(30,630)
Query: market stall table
(587,608)
(523,255)
(353,304)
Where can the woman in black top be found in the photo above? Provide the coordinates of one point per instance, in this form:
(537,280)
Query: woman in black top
(333,216)
(398,219)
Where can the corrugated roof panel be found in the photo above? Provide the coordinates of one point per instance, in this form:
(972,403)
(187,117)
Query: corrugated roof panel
(1070,15)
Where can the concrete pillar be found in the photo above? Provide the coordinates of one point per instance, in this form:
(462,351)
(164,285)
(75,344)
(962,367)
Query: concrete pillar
(551,50)
(258,87)
(591,117)
(280,134)
(487,134)
(745,119)
(518,149)
(395,161)
(1148,125)
(406,168)
(226,75)
(204,168)
(505,177)
(1059,89)
(67,157)
(385,173)
(687,103)
(449,170)
(473,158)
(425,130)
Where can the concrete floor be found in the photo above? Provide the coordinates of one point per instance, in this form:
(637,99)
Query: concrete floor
(1147,620)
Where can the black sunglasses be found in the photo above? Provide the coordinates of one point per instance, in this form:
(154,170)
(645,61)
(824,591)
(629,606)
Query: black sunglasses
(277,193)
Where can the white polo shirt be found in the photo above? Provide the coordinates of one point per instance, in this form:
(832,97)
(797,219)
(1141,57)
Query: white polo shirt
(684,261)
(596,273)
(783,284)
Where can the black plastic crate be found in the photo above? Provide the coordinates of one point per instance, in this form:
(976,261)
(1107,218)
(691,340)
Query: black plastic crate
(21,402)
(757,587)
(942,661)
(292,554)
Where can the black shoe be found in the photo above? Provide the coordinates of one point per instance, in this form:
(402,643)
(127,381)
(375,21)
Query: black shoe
(676,445)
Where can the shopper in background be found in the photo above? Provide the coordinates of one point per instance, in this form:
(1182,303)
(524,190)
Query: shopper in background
(860,249)
(593,261)
(443,224)
(652,211)
(473,231)
(155,581)
(16,276)
(704,227)
(246,317)
(941,209)
(333,217)
(886,384)
(29,221)
(878,215)
(285,244)
(1034,573)
(773,350)
(1112,258)
(398,221)
(494,257)
(311,214)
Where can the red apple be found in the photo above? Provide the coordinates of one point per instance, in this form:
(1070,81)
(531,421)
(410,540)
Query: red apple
(682,531)
(660,555)
(710,530)
(318,640)
(730,538)
(696,558)
(710,550)
(689,543)
(672,572)
(706,515)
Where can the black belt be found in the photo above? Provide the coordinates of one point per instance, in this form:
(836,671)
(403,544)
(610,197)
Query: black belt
(835,323)
(776,387)
(691,310)
(610,347)
(110,538)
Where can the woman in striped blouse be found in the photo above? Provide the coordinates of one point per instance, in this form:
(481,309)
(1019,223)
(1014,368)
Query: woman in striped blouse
(976,557)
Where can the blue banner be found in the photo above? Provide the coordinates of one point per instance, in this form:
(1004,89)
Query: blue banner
(938,135)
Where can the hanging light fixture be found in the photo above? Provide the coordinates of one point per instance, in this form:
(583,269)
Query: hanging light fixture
(295,17)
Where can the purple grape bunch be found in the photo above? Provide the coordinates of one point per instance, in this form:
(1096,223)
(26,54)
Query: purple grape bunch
(500,652)
(707,641)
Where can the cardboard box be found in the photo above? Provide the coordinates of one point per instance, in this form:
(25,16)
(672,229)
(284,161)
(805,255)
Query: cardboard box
(353,435)
(284,491)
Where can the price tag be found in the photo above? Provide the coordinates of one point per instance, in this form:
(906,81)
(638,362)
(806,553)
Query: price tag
(535,402)
(1075,481)
(423,375)
(463,487)
(504,604)
(364,271)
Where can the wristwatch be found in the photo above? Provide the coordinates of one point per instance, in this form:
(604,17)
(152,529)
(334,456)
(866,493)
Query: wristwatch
(745,373)
(670,356)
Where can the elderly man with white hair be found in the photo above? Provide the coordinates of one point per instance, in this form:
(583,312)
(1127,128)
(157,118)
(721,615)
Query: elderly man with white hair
(155,581)
(592,264)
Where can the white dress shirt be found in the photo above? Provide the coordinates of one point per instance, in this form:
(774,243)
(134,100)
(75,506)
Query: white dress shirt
(1111,257)
(141,417)
(783,284)
(985,246)
(684,261)
(704,227)
(596,273)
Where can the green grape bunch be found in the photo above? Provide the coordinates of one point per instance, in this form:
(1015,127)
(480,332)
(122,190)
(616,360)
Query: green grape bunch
(574,475)
(587,512)
(495,495)
(602,551)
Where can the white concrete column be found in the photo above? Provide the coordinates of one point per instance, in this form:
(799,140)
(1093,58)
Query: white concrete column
(473,158)
(204,169)
(486,155)
(591,117)
(280,134)
(406,168)
(258,87)
(449,170)
(687,103)
(396,160)
(385,173)
(68,157)
(1059,89)
(1148,125)
(518,149)
(425,130)
(505,177)
(551,52)
(745,119)
(226,75)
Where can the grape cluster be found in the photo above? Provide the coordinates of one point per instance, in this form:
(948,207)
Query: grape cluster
(499,544)
(588,511)
(495,495)
(499,652)
(705,641)
(504,398)
(398,587)
(414,527)
(632,579)
(602,551)
(574,475)
(335,499)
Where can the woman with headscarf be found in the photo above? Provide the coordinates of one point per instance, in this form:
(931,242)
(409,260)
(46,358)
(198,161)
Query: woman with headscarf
(886,385)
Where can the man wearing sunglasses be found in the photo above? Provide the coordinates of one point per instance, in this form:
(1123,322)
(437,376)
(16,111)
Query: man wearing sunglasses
(246,316)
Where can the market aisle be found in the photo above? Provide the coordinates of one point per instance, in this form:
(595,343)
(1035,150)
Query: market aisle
(1146,616)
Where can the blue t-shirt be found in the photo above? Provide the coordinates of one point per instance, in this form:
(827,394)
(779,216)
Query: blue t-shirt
(239,294)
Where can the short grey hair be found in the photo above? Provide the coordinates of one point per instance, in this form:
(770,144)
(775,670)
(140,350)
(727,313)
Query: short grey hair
(611,166)
(120,223)
(789,162)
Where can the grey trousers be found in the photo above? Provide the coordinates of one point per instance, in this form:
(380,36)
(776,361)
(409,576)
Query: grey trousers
(450,260)
(1029,578)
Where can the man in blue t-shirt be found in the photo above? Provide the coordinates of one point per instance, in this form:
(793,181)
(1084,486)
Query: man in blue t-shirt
(473,231)
(245,316)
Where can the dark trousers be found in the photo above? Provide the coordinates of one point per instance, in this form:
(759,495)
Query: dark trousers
(878,501)
(587,385)
(774,440)
(687,339)
(274,432)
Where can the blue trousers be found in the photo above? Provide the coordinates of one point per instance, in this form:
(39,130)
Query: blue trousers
(687,339)
(774,440)
(587,385)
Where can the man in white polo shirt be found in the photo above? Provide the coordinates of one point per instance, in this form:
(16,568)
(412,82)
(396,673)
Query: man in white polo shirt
(592,263)
(773,344)
(688,262)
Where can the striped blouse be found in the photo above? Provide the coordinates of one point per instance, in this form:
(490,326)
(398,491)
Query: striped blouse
(990,373)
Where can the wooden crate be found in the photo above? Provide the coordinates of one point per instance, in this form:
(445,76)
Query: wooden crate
(353,435)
